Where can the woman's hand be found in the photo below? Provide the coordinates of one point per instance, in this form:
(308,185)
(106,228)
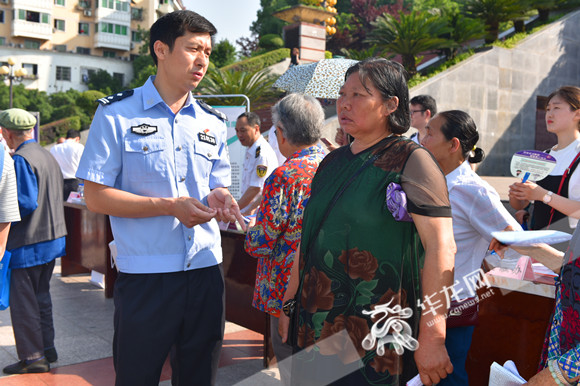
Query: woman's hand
(283,323)
(543,378)
(527,191)
(432,361)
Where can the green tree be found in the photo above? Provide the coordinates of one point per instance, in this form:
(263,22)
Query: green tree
(255,85)
(143,68)
(493,12)
(265,23)
(362,54)
(223,53)
(409,35)
(104,82)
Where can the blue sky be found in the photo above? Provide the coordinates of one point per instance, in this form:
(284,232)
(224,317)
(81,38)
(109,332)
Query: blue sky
(232,18)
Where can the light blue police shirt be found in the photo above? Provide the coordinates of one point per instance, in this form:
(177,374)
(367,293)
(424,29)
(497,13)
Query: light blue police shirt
(139,145)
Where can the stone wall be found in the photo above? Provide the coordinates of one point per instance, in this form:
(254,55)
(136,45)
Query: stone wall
(499,88)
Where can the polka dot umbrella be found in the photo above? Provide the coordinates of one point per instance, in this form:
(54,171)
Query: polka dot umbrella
(322,79)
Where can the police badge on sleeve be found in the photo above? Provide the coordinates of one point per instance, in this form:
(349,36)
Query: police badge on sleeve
(261,170)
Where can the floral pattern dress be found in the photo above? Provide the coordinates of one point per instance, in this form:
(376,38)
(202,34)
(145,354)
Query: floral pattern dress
(361,257)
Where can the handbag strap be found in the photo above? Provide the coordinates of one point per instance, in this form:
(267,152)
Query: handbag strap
(569,170)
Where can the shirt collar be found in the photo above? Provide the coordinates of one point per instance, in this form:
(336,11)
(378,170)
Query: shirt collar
(454,177)
(151,96)
(25,142)
(312,150)
(255,144)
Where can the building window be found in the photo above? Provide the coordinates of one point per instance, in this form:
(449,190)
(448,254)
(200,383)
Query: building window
(85,4)
(59,47)
(59,25)
(62,73)
(136,13)
(83,51)
(114,29)
(31,69)
(2,41)
(119,5)
(33,17)
(1,16)
(84,29)
(109,54)
(59,2)
(136,37)
(32,44)
(120,77)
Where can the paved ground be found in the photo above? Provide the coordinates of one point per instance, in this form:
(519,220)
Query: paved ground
(83,321)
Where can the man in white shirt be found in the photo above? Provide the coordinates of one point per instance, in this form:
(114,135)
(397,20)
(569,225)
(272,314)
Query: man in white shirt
(259,162)
(68,155)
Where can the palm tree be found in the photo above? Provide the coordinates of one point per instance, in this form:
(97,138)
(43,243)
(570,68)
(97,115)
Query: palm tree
(409,35)
(493,12)
(362,54)
(255,85)
(463,30)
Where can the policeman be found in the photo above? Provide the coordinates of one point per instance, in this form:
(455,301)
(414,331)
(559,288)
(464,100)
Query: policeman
(260,161)
(156,162)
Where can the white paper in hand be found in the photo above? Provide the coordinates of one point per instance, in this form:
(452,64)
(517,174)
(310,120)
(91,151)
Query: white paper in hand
(526,238)
(506,375)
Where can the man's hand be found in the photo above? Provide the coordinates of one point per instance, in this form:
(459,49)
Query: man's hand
(190,212)
(543,378)
(227,208)
(432,361)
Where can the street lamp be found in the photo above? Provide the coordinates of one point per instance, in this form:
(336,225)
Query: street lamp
(7,72)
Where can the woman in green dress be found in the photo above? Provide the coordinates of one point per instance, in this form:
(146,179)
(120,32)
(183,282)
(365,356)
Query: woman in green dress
(376,256)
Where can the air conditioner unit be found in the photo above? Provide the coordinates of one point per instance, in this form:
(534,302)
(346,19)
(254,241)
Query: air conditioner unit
(88,12)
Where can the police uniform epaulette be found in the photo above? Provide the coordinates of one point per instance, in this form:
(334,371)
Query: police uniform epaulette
(211,110)
(115,97)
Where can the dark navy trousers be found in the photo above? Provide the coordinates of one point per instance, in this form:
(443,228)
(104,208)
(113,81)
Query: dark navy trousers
(181,312)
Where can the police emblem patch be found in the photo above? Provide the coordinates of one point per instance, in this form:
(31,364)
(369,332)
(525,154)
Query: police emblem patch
(261,170)
(203,137)
(143,129)
(257,152)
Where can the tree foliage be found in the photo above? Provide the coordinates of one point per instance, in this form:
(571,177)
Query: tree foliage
(255,85)
(104,82)
(223,53)
(493,12)
(409,35)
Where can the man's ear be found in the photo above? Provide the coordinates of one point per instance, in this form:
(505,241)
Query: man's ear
(428,114)
(161,49)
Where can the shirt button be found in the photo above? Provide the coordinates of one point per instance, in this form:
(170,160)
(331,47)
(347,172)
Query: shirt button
(176,120)
(145,148)
(178,148)
(188,265)
(189,238)
(182,179)
(208,155)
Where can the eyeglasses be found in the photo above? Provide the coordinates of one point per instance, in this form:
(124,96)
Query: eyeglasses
(417,111)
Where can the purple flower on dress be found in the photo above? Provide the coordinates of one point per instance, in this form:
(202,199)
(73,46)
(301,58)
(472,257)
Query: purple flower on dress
(397,202)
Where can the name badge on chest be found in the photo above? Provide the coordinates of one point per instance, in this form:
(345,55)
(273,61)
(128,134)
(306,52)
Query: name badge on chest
(203,137)
(144,129)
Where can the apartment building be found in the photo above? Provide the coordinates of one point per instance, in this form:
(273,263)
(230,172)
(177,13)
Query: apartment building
(60,42)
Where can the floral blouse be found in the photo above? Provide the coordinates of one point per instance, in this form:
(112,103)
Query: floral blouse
(276,234)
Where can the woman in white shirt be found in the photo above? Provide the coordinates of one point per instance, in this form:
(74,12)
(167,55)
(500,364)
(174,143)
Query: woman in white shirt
(556,197)
(476,212)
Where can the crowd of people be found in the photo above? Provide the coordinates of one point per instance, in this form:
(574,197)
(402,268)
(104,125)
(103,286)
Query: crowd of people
(365,238)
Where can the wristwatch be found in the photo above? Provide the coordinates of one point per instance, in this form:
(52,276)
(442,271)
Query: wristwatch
(289,307)
(547,197)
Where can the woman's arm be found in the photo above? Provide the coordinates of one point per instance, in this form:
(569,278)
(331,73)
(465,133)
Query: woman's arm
(284,321)
(437,236)
(530,191)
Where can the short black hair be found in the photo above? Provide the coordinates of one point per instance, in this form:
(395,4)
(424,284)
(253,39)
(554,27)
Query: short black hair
(253,118)
(175,24)
(72,133)
(427,102)
(390,78)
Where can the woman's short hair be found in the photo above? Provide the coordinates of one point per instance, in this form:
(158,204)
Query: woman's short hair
(458,124)
(570,94)
(302,118)
(390,78)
